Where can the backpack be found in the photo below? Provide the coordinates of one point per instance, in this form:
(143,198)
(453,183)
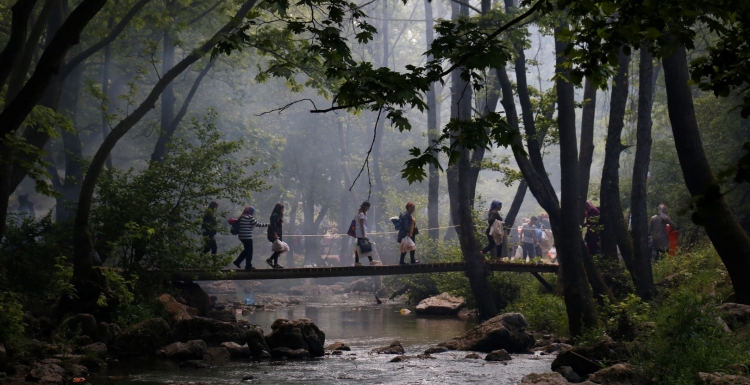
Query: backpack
(396,222)
(235,226)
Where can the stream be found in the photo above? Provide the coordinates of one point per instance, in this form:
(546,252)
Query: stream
(358,322)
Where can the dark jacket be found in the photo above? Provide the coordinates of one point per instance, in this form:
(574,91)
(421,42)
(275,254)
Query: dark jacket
(209,224)
(491,218)
(274,227)
(405,219)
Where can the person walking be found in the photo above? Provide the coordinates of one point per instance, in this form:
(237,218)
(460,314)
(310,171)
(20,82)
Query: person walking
(274,233)
(492,216)
(209,226)
(530,239)
(247,224)
(408,229)
(658,231)
(592,229)
(361,233)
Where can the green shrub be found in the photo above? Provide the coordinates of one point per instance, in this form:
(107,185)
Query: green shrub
(11,317)
(542,311)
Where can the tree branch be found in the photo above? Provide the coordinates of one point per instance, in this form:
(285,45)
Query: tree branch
(21,11)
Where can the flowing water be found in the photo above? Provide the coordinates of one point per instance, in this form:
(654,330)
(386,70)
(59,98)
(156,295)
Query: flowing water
(359,323)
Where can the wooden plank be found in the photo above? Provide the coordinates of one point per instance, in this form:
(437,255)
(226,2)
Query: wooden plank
(356,271)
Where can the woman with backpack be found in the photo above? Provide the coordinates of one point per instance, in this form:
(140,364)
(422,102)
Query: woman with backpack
(274,233)
(247,223)
(408,229)
(360,248)
(492,216)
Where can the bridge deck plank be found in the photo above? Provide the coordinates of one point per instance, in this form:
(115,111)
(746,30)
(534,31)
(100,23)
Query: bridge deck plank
(356,271)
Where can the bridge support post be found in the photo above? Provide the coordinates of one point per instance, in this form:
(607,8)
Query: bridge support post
(543,282)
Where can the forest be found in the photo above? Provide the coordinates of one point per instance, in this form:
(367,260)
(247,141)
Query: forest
(125,123)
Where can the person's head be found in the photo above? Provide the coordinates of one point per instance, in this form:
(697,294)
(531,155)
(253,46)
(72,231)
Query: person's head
(278,209)
(662,209)
(496,205)
(410,207)
(249,210)
(544,216)
(213,205)
(533,220)
(364,207)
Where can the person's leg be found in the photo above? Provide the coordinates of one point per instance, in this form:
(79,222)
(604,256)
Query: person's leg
(489,246)
(237,262)
(527,249)
(411,255)
(214,247)
(275,258)
(401,261)
(249,253)
(499,251)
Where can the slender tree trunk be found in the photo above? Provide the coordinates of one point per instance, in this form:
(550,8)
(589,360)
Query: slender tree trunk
(433,184)
(611,206)
(106,92)
(71,186)
(21,69)
(586,157)
(638,195)
(730,240)
(378,207)
(579,302)
(10,55)
(167,97)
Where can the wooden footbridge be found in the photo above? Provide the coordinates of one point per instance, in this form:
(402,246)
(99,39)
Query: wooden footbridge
(356,271)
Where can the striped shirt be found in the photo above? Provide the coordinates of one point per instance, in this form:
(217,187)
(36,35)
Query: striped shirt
(247,223)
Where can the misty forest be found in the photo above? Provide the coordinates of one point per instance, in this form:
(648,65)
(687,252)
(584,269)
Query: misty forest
(375,191)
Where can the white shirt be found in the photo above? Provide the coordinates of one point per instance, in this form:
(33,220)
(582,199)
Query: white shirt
(359,219)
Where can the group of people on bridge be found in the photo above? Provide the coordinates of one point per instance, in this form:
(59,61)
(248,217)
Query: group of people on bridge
(534,235)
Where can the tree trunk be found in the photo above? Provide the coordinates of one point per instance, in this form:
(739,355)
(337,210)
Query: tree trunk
(21,69)
(638,195)
(730,240)
(71,185)
(10,55)
(433,184)
(586,157)
(579,302)
(378,204)
(615,227)
(167,97)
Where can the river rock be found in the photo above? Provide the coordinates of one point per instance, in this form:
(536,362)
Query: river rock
(177,311)
(399,359)
(191,350)
(236,350)
(569,374)
(552,378)
(77,325)
(299,334)
(143,338)
(498,355)
(473,356)
(580,364)
(97,348)
(212,331)
(443,304)
(721,379)
(436,349)
(619,374)
(316,290)
(360,285)
(217,355)
(220,287)
(291,354)
(46,373)
(222,315)
(506,331)
(394,348)
(737,317)
(194,364)
(194,297)
(106,333)
(557,347)
(338,346)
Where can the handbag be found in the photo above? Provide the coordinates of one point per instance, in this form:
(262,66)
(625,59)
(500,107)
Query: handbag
(364,245)
(352,232)
(277,246)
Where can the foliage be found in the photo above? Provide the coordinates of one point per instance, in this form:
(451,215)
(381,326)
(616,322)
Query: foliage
(11,317)
(543,311)
(152,220)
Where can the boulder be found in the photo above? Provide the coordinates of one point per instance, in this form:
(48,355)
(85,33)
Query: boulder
(291,354)
(506,331)
(721,379)
(299,334)
(143,338)
(46,373)
(426,356)
(338,346)
(737,318)
(394,348)
(557,347)
(580,364)
(619,374)
(194,296)
(548,379)
(84,340)
(436,349)
(218,355)
(191,350)
(236,350)
(399,359)
(222,315)
(361,285)
(473,356)
(256,342)
(106,333)
(569,374)
(177,311)
(97,348)
(443,304)
(498,355)
(212,331)
(220,287)
(77,325)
